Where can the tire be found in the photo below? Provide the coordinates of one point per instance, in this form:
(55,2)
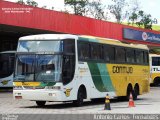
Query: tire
(135,92)
(156,81)
(40,103)
(129,90)
(80,97)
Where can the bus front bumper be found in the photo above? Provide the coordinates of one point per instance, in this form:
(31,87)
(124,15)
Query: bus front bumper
(39,95)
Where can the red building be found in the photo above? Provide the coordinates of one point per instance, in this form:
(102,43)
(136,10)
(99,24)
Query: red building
(18,20)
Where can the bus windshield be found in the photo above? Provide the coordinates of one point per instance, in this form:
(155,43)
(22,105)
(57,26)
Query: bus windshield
(38,67)
(155,61)
(34,46)
(6,64)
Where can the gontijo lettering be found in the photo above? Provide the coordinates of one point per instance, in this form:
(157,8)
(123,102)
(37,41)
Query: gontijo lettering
(122,69)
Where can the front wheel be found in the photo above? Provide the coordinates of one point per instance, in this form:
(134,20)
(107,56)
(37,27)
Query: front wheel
(40,103)
(79,101)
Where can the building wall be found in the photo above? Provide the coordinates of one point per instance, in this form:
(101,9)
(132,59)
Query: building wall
(31,17)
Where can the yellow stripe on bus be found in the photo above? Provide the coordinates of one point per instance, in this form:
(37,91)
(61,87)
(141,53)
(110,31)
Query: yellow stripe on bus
(27,83)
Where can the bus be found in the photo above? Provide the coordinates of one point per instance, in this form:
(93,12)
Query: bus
(155,69)
(6,68)
(65,67)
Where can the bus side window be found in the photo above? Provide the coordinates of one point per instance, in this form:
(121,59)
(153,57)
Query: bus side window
(68,68)
(109,53)
(69,45)
(130,55)
(120,54)
(95,51)
(139,57)
(83,51)
(146,57)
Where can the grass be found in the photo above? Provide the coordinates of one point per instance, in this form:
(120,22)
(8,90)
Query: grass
(154,27)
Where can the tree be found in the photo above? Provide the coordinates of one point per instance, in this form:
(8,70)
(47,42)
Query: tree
(32,3)
(133,18)
(21,2)
(78,6)
(134,7)
(95,9)
(118,9)
(28,2)
(145,20)
(44,7)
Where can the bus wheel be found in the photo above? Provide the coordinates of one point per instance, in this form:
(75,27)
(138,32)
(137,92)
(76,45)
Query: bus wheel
(156,81)
(40,103)
(136,92)
(80,97)
(129,90)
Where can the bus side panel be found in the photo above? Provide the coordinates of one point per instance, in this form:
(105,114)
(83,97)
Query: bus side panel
(155,73)
(100,80)
(7,81)
(122,75)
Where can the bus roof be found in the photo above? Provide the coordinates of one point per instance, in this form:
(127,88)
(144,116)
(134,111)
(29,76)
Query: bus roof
(114,42)
(48,37)
(90,38)
(154,55)
(7,52)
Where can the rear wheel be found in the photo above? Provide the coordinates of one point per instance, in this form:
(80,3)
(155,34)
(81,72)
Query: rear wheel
(40,103)
(135,92)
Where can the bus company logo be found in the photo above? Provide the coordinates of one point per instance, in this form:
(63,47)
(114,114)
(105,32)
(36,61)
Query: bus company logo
(5,82)
(67,92)
(144,36)
(25,84)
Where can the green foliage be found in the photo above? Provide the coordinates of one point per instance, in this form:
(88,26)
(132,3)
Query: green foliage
(142,19)
(133,17)
(32,3)
(28,2)
(21,2)
(77,5)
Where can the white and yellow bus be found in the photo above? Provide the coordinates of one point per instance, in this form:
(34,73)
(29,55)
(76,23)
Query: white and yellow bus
(63,67)
(6,68)
(155,69)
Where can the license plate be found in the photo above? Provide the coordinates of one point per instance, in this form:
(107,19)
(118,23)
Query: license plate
(18,97)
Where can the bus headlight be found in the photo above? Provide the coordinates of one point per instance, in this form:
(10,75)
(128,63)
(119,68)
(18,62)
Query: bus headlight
(17,88)
(53,87)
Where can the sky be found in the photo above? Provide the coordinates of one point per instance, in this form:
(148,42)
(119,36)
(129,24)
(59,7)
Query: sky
(148,6)
(151,7)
